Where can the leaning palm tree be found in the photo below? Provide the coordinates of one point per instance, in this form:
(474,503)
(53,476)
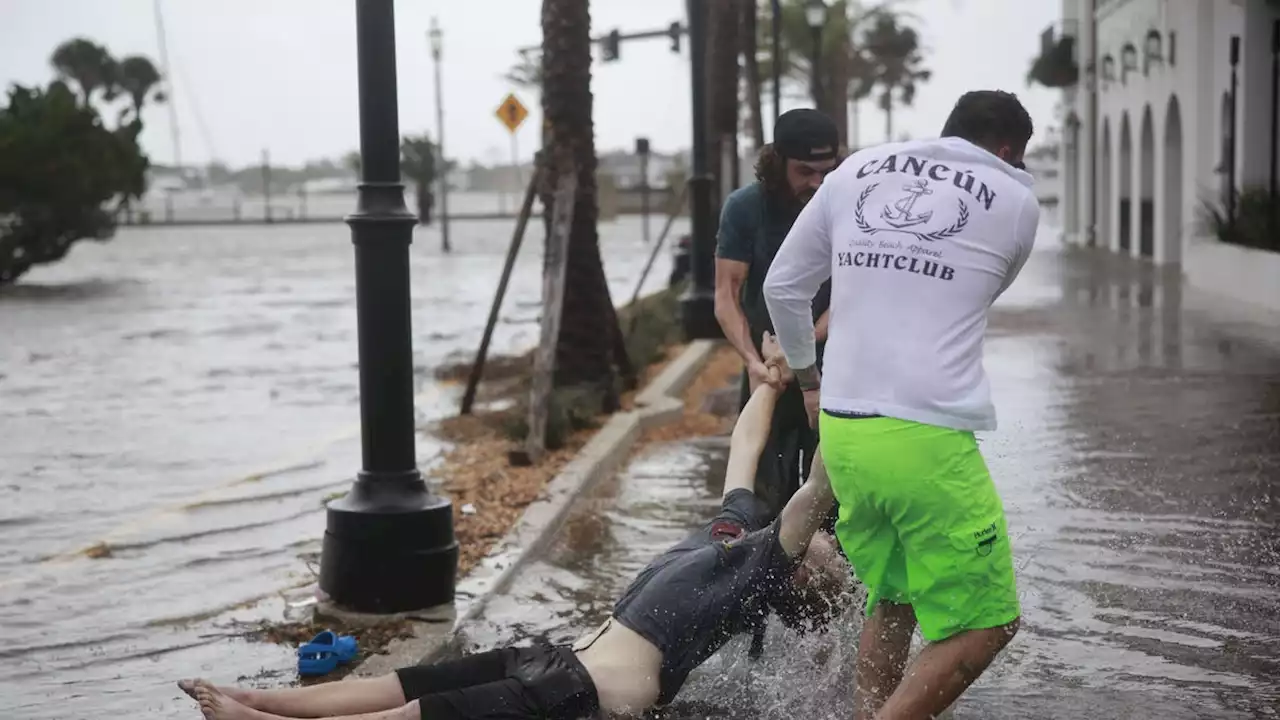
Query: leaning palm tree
(898,65)
(589,334)
(137,78)
(87,64)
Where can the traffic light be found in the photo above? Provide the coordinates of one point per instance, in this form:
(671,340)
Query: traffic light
(611,46)
(675,31)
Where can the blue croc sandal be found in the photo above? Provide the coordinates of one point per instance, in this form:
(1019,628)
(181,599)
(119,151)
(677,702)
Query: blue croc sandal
(325,653)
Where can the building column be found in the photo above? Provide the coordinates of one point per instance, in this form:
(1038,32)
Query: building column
(1090,125)
(1158,146)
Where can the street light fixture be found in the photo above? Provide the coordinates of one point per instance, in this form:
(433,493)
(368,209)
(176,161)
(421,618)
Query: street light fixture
(442,167)
(815,13)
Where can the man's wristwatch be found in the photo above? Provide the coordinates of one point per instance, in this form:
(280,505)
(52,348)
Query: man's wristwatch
(808,378)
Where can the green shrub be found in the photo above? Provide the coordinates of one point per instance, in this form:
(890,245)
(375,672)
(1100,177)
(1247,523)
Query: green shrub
(1253,225)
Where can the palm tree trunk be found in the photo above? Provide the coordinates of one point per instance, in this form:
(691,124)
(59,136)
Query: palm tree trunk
(835,91)
(722,90)
(750,36)
(888,121)
(589,331)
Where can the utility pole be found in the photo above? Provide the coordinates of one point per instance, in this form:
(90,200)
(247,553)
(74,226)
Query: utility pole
(437,43)
(266,185)
(168,88)
(642,151)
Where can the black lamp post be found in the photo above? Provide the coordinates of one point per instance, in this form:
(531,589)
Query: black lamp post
(815,13)
(697,306)
(389,544)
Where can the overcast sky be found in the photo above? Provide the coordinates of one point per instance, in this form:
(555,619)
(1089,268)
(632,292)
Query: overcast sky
(281,74)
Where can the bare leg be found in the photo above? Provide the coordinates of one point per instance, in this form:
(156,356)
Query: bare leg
(882,655)
(945,670)
(215,705)
(348,697)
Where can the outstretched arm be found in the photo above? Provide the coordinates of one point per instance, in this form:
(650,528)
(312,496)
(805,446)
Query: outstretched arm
(751,432)
(806,510)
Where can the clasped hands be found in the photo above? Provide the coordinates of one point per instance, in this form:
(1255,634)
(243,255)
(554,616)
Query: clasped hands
(772,369)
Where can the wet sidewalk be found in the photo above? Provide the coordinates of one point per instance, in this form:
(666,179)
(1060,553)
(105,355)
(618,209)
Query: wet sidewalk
(1138,456)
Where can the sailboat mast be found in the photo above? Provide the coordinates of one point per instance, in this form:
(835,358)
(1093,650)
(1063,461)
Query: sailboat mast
(168,86)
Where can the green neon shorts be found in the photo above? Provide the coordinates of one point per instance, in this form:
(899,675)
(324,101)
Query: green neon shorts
(921,522)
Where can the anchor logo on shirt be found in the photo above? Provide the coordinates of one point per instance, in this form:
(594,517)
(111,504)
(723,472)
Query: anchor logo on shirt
(904,217)
(900,215)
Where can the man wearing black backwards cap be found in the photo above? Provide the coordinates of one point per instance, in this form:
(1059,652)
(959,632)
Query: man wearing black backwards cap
(753,223)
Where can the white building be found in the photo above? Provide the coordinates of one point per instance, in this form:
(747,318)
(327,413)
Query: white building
(1148,136)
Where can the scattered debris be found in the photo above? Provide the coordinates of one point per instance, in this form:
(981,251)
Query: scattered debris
(372,640)
(98,551)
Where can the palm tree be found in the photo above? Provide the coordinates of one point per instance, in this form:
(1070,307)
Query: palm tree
(589,334)
(86,63)
(526,74)
(845,70)
(898,65)
(136,77)
(418,163)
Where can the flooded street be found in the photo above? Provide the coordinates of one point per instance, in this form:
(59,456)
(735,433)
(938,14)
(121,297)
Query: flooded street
(179,403)
(1138,456)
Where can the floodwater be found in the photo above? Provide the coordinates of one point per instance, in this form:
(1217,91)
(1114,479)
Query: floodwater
(1139,461)
(188,397)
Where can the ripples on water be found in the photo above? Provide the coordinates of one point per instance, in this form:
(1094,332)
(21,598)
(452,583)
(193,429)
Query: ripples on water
(189,397)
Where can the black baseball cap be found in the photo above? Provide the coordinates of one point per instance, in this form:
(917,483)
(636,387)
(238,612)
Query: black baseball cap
(806,135)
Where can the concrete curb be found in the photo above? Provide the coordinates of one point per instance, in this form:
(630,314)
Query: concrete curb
(657,404)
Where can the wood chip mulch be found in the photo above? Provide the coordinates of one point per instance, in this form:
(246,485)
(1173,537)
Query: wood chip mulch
(487,492)
(700,418)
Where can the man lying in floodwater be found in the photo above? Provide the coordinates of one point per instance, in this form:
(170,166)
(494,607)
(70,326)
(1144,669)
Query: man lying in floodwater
(723,579)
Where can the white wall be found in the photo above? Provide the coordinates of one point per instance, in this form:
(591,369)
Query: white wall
(1199,77)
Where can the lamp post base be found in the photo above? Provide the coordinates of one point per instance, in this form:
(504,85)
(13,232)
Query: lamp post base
(698,315)
(389,546)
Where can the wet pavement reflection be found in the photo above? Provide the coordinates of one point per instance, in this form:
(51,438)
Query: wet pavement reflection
(1139,459)
(181,402)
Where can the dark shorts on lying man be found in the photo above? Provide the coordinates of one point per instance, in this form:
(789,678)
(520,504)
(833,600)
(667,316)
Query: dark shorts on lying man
(521,683)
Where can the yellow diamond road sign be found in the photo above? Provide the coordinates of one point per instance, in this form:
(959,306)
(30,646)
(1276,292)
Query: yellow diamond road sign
(512,112)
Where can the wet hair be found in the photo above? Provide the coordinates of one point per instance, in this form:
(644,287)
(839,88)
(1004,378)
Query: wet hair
(990,119)
(808,607)
(771,171)
(803,609)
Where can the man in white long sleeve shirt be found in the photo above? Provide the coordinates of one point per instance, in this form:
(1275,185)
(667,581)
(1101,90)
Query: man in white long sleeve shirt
(918,239)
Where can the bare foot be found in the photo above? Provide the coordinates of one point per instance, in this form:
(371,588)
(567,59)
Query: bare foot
(215,705)
(240,695)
